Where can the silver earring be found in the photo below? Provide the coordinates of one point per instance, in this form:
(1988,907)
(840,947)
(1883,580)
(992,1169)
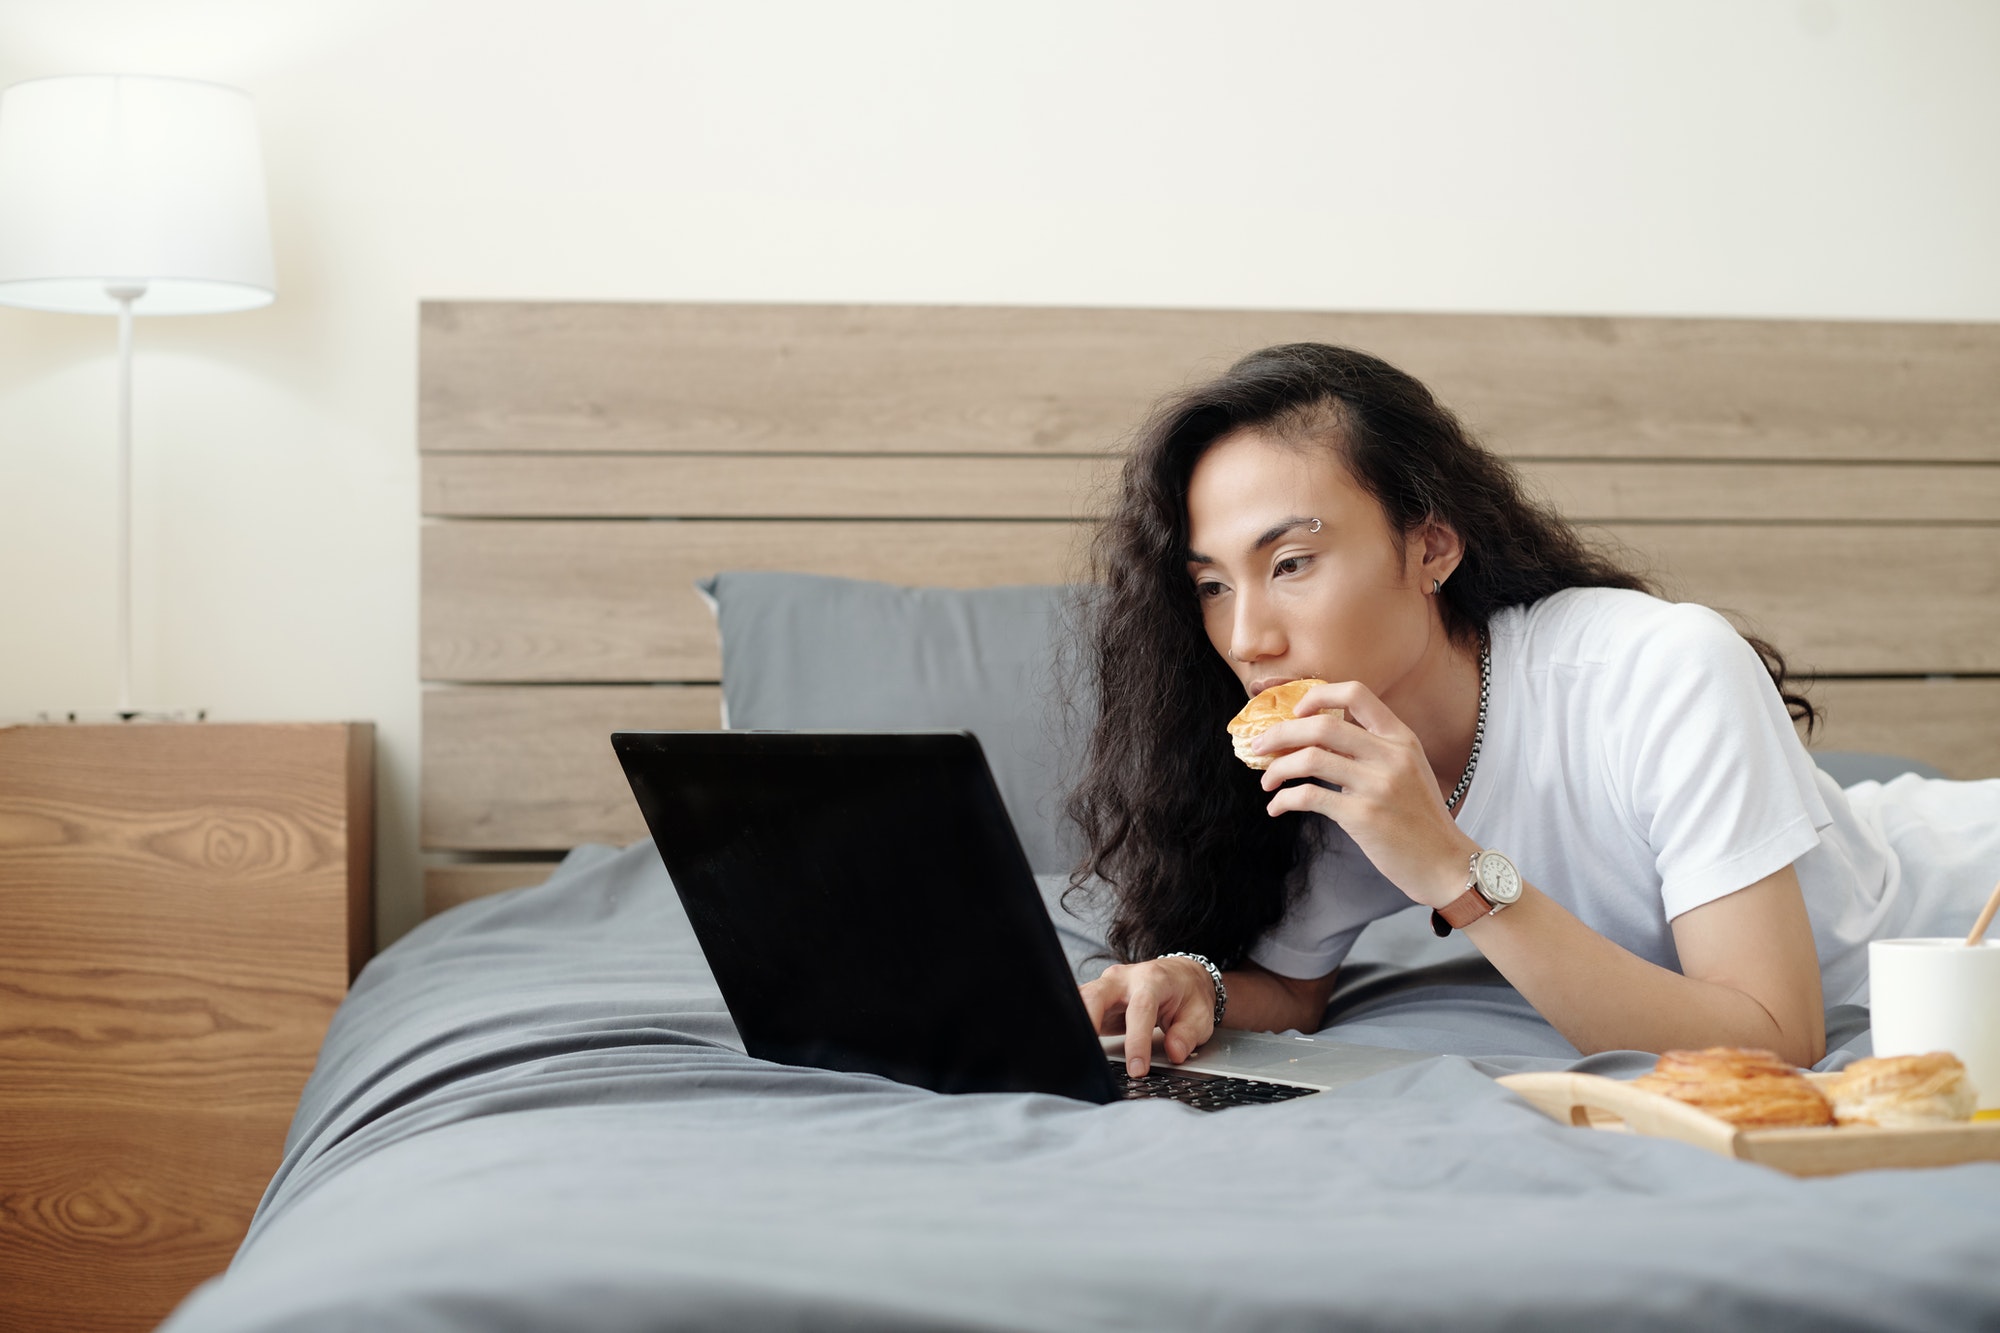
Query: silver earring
(1314,527)
(1437,586)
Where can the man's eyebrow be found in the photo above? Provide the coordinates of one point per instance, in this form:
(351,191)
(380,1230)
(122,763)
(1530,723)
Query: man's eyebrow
(1271,534)
(1278,530)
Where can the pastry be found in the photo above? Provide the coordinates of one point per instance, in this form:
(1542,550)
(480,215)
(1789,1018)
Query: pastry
(1899,1090)
(1751,1089)
(1265,711)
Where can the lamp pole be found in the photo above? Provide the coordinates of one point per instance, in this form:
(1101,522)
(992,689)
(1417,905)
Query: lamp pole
(125,294)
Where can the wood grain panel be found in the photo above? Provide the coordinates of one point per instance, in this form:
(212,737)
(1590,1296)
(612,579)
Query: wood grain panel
(250,824)
(520,769)
(1951,724)
(451,885)
(615,601)
(177,925)
(1838,599)
(132,1036)
(759,486)
(1626,491)
(610,601)
(113,1213)
(446,886)
(359,835)
(614,377)
(819,486)
(513,769)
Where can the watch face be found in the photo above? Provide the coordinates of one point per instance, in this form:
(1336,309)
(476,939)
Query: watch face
(1498,879)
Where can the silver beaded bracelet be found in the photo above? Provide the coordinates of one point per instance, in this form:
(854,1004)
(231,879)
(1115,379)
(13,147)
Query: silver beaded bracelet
(1214,975)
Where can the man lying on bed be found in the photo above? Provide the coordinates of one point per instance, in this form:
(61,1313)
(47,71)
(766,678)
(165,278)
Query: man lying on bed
(1603,790)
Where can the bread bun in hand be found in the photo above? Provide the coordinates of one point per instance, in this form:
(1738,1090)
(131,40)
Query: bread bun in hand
(1900,1090)
(1265,711)
(1751,1089)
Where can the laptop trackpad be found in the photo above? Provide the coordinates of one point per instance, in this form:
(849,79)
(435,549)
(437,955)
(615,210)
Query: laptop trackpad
(1314,1061)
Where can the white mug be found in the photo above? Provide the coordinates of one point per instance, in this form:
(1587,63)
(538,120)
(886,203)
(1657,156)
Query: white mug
(1939,995)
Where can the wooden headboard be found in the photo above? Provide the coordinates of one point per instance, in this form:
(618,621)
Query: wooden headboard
(1834,485)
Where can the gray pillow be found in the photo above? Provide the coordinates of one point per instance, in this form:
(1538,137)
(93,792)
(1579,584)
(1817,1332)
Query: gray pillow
(804,650)
(1847,767)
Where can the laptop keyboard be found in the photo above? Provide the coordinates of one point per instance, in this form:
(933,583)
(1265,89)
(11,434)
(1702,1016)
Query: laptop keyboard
(1204,1092)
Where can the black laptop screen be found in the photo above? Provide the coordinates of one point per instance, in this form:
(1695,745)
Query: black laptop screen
(865,905)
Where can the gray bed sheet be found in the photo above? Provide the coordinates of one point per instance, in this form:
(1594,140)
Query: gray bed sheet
(533,1113)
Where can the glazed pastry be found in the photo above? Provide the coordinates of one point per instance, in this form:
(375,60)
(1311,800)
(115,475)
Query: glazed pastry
(1749,1089)
(1900,1090)
(1265,711)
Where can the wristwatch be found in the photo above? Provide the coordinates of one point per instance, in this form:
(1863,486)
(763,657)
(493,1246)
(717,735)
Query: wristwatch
(1491,883)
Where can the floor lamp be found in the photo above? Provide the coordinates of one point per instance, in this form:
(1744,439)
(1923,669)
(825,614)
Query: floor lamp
(131,195)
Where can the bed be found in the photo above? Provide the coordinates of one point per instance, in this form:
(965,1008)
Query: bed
(532,1111)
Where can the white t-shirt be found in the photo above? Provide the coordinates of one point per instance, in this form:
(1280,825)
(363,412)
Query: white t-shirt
(1638,763)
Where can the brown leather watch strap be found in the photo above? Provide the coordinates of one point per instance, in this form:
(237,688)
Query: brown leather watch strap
(1460,912)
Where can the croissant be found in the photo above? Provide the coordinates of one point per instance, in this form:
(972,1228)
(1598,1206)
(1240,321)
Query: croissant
(1751,1089)
(1902,1090)
(1264,711)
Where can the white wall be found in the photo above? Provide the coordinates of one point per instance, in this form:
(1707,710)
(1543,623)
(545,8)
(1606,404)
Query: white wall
(1828,158)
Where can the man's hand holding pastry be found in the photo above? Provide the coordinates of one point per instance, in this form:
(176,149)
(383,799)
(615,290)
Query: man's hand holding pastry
(1383,791)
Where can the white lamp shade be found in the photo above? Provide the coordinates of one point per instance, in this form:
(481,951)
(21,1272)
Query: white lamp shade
(129,179)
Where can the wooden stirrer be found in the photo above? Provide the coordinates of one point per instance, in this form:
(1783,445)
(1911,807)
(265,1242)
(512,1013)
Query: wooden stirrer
(1985,919)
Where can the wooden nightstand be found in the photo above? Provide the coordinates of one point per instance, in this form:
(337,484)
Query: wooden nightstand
(181,908)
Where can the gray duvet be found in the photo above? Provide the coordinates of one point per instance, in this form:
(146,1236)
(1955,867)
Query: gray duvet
(532,1113)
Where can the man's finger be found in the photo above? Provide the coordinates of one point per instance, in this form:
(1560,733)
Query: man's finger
(1186,1033)
(1139,1015)
(1306,797)
(1339,769)
(1359,703)
(1290,737)
(1094,1003)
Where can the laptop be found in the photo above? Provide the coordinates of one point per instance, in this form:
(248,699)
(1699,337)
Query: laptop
(864,904)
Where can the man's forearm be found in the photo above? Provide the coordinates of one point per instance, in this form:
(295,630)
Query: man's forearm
(1262,1001)
(1603,997)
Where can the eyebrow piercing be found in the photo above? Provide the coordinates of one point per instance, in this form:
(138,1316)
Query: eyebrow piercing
(1314,527)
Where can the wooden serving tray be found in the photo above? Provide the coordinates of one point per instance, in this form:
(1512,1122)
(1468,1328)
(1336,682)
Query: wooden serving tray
(1593,1102)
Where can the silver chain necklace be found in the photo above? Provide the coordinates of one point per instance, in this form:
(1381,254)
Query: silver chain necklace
(1479,728)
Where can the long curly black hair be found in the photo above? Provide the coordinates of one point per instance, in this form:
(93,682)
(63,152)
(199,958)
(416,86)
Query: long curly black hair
(1170,825)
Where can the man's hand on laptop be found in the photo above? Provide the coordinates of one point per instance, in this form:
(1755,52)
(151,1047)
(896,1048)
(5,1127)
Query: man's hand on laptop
(1173,994)
(1178,996)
